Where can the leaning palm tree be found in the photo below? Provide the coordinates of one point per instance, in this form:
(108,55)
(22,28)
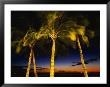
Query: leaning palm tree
(29,40)
(75,33)
(74,36)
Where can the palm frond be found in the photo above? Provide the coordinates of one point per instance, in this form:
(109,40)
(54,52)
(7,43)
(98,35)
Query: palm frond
(14,43)
(19,47)
(90,33)
(72,35)
(85,40)
(81,30)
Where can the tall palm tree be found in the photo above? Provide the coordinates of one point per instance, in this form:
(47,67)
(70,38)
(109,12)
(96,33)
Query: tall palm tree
(50,30)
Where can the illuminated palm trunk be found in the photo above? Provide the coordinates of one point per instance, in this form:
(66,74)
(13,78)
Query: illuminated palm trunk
(82,58)
(52,59)
(29,63)
(35,72)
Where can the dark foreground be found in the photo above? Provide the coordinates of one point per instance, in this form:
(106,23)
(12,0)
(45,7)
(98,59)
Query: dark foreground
(19,72)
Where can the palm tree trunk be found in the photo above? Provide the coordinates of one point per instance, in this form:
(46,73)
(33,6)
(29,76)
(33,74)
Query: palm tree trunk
(29,63)
(35,71)
(52,59)
(82,58)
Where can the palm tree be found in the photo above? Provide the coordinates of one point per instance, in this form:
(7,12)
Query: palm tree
(75,33)
(75,30)
(74,36)
(29,40)
(50,30)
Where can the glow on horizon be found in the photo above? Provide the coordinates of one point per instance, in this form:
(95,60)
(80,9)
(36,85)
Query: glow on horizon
(93,68)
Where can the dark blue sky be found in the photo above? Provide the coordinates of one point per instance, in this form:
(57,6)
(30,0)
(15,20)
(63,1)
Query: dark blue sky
(62,62)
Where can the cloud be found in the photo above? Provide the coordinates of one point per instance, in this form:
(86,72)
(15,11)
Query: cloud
(41,68)
(86,62)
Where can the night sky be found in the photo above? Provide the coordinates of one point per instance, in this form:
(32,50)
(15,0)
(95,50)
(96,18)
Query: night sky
(66,58)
